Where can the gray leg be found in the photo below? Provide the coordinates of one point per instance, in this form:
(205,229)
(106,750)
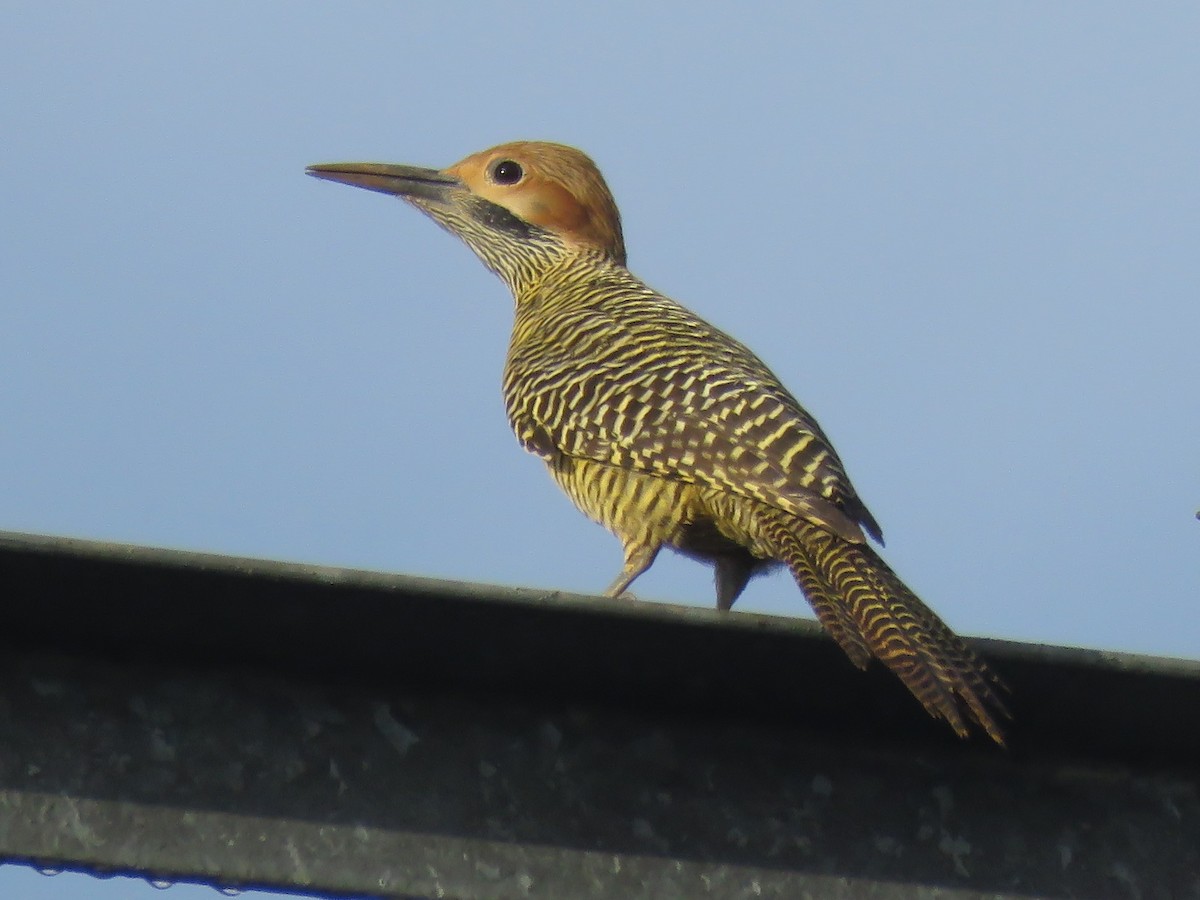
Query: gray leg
(638,558)
(732,576)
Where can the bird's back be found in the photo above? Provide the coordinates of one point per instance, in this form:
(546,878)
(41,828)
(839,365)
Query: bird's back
(605,369)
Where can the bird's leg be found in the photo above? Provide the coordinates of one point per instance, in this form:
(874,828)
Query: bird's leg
(732,576)
(638,558)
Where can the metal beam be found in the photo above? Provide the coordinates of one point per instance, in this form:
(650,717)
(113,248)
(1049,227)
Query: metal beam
(243,722)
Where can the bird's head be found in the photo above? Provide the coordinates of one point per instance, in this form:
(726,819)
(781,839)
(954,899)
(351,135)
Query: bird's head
(519,206)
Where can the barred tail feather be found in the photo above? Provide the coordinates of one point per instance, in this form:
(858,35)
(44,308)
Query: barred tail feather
(830,610)
(871,612)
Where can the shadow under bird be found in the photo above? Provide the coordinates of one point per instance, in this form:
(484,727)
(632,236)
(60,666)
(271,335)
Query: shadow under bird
(668,431)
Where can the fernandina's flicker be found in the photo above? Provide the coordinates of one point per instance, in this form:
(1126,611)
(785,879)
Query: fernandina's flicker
(668,431)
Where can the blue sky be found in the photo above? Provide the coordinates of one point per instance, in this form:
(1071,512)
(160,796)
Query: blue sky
(965,239)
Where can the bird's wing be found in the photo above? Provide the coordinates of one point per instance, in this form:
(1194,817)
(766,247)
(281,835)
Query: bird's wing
(723,422)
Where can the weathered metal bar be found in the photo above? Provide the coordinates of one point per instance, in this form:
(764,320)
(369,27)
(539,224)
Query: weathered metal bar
(253,723)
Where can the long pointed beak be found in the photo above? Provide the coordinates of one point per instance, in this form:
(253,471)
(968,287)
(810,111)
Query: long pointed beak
(402,181)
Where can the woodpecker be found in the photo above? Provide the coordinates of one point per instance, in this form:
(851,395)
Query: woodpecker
(668,431)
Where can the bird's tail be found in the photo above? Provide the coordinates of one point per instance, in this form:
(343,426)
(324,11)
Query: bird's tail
(870,612)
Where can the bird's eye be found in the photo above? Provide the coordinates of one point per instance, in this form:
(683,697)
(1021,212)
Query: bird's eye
(507,172)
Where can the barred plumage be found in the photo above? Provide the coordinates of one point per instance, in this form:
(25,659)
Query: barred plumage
(666,430)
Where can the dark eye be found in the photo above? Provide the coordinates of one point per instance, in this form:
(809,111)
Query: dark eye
(507,172)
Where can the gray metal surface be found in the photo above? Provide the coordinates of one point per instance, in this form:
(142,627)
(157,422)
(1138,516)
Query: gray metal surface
(255,723)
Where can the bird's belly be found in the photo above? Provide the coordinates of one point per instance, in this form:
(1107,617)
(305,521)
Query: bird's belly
(701,522)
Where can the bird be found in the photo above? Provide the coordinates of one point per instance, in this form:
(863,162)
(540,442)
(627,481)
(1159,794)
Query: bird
(668,431)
